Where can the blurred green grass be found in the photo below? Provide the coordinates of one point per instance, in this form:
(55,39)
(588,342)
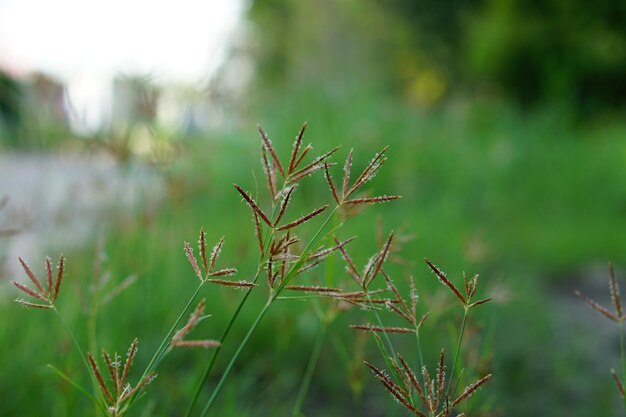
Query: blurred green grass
(521,198)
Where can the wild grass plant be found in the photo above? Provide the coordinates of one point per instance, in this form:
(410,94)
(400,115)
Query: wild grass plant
(289,246)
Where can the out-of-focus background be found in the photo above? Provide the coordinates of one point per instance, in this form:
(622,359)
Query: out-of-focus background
(124,123)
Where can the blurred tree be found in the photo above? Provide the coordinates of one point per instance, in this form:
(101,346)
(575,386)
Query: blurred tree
(570,51)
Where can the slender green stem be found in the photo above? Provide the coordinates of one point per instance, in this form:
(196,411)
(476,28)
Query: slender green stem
(325,319)
(161,351)
(296,266)
(380,323)
(158,356)
(623,360)
(273,295)
(310,368)
(217,350)
(80,351)
(75,384)
(207,371)
(458,351)
(76,344)
(419,348)
(92,317)
(383,351)
(233,359)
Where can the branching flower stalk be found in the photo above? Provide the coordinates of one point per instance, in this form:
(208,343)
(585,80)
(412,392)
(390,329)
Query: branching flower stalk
(206,273)
(435,396)
(470,290)
(264,242)
(278,257)
(273,296)
(45,299)
(280,264)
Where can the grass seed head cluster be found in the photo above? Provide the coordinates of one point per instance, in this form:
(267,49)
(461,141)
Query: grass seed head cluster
(289,248)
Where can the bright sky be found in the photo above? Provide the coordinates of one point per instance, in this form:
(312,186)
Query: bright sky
(85,43)
(178,40)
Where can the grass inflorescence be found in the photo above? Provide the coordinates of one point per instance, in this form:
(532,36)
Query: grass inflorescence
(291,247)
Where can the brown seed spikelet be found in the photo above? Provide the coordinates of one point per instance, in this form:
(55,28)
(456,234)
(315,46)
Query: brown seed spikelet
(142,384)
(614,288)
(284,204)
(346,174)
(270,173)
(215,253)
(470,389)
(600,309)
(253,205)
(316,165)
(379,329)
(57,284)
(202,247)
(32,305)
(224,272)
(270,148)
(395,390)
(444,280)
(620,386)
(32,276)
(307,288)
(103,386)
(479,302)
(372,200)
(257,232)
(28,291)
(196,343)
(305,151)
(416,385)
(369,172)
(296,148)
(323,253)
(381,259)
(441,378)
(48,263)
(192,261)
(303,219)
(329,180)
(113,372)
(129,361)
(232,283)
(191,322)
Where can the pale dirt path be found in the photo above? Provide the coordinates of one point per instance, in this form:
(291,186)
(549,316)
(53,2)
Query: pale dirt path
(60,200)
